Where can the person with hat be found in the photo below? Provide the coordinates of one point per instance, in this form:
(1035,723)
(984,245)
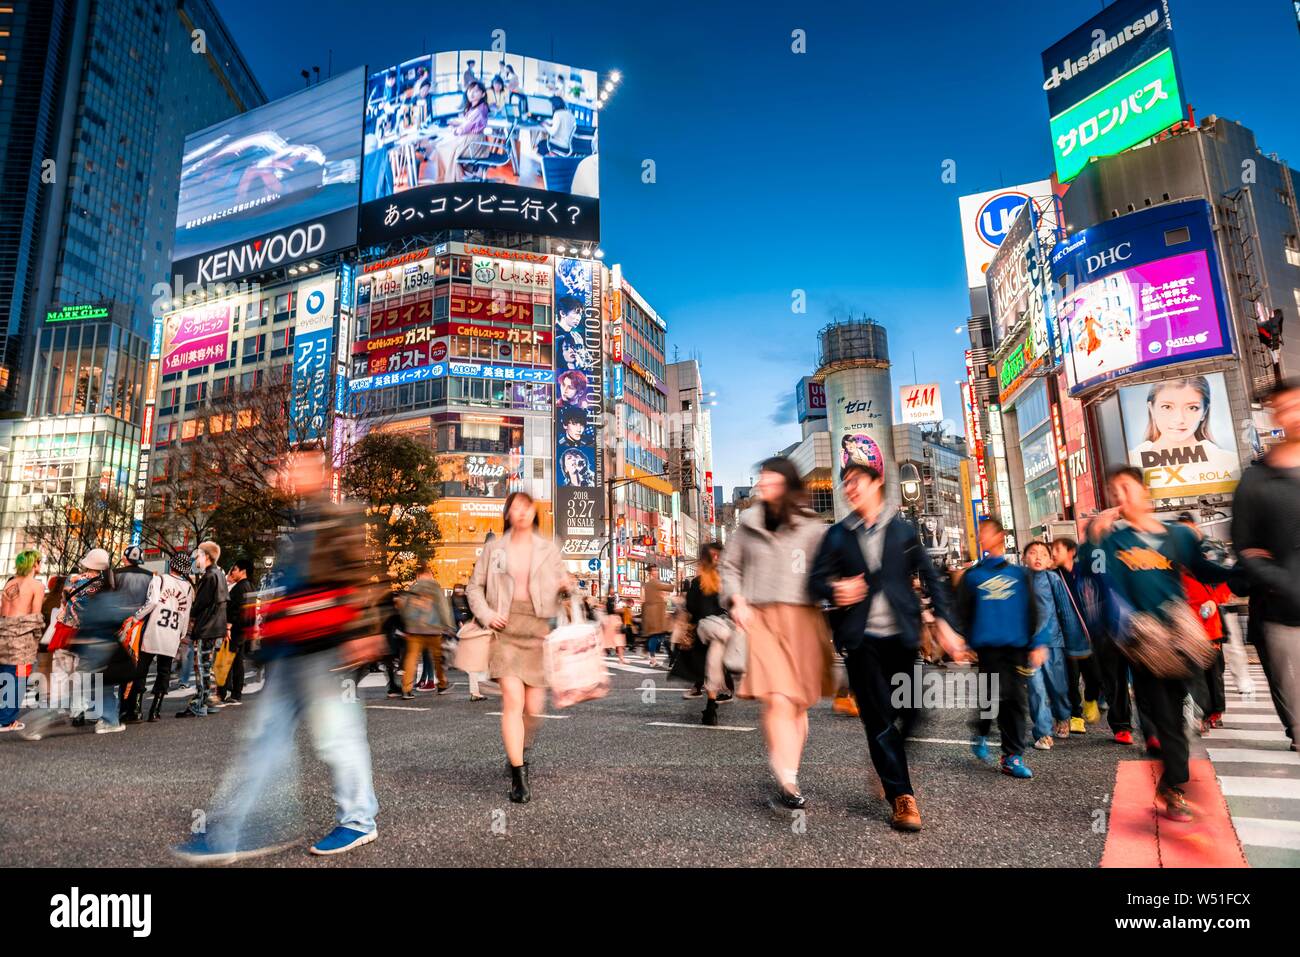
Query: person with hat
(166,618)
(98,612)
(134,582)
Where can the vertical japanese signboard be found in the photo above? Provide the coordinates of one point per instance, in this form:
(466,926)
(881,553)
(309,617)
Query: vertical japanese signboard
(579,403)
(313,359)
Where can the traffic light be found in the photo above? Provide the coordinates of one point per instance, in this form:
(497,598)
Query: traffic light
(1270,331)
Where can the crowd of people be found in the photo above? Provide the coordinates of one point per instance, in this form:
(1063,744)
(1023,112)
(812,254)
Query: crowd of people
(1128,622)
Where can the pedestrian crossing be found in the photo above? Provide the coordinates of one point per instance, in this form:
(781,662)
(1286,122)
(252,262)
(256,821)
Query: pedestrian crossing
(1258,773)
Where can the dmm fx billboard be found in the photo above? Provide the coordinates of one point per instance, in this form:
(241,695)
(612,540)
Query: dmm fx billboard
(1112,83)
(313,354)
(1179,432)
(1138,292)
(920,404)
(579,405)
(986,219)
(860,406)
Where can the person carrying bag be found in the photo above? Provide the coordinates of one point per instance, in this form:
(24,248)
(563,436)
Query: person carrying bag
(575,662)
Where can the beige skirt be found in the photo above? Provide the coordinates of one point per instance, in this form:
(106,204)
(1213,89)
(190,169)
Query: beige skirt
(789,654)
(517,649)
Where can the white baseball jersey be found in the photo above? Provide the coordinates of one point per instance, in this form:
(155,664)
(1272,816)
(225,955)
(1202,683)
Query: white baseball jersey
(170,600)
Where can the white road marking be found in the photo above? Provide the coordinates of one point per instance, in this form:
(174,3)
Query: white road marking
(1251,756)
(1263,832)
(1234,786)
(556,717)
(393,707)
(707,727)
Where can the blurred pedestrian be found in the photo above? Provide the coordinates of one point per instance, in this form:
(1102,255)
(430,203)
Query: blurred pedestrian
(320,623)
(1049,694)
(207,628)
(21,627)
(514,591)
(654,617)
(426,619)
(864,569)
(133,581)
(1084,673)
(765,587)
(460,608)
(704,607)
(1266,534)
(239,586)
(995,600)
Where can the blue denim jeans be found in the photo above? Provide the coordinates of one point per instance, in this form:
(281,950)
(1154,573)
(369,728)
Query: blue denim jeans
(12,691)
(256,804)
(1049,693)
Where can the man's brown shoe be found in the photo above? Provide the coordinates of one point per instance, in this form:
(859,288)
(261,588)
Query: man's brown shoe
(906,816)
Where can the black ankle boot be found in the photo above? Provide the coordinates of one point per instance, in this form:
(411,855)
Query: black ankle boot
(710,714)
(155,709)
(519,793)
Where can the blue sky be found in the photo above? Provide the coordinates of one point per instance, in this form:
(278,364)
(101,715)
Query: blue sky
(819,171)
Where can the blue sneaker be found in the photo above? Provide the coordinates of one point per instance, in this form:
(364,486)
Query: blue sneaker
(342,839)
(979,746)
(197,850)
(1015,766)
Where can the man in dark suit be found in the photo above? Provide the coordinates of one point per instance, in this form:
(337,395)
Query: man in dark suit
(864,569)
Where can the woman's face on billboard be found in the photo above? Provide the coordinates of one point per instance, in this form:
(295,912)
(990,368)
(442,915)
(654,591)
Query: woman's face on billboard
(1177,413)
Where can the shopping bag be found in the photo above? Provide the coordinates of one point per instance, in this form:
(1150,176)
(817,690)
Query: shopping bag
(473,648)
(221,663)
(575,661)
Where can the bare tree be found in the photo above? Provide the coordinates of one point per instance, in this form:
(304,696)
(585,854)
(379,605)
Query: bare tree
(64,527)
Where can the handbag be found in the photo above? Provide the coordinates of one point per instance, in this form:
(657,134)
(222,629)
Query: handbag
(307,615)
(1170,644)
(736,656)
(222,662)
(574,660)
(683,634)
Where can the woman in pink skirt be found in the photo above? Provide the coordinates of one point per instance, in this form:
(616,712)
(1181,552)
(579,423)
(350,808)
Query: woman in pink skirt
(765,586)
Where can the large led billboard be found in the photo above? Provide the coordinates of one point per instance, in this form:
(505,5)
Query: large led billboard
(271,186)
(1112,83)
(1138,292)
(579,476)
(473,138)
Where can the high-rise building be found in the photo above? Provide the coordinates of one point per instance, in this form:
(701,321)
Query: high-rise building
(690,462)
(94,101)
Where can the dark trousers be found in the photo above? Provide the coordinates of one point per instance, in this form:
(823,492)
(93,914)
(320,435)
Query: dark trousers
(233,687)
(1115,682)
(871,668)
(1010,666)
(1160,701)
(1206,686)
(162,678)
(1087,670)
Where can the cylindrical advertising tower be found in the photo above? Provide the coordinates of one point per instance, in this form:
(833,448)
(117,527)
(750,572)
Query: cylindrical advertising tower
(853,364)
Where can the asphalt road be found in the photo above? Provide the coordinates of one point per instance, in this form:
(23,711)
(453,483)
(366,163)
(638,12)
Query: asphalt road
(616,782)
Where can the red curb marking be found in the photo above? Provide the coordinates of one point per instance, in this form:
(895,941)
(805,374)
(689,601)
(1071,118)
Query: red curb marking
(1139,835)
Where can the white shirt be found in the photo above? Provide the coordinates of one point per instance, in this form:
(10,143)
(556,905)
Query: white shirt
(170,600)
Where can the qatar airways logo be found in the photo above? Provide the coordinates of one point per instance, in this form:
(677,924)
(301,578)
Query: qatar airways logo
(260,254)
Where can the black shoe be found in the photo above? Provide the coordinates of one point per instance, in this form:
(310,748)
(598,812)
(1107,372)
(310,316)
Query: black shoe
(79,720)
(519,792)
(723,697)
(709,716)
(155,709)
(792,800)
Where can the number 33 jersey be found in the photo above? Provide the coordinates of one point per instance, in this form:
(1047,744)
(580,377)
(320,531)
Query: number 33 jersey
(170,602)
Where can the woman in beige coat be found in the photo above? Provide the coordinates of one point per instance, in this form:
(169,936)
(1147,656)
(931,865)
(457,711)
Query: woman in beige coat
(514,591)
(765,587)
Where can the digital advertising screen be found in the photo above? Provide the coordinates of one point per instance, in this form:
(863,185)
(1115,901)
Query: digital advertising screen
(479,139)
(272,185)
(1179,432)
(1112,83)
(579,495)
(1139,292)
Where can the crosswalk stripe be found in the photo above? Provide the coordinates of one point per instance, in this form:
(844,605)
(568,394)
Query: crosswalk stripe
(1263,832)
(1247,718)
(1239,734)
(556,717)
(1252,756)
(1234,786)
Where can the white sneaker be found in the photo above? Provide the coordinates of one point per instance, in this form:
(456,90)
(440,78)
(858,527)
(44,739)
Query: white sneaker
(103,727)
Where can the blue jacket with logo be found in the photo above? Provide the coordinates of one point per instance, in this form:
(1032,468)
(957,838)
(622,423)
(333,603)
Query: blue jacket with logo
(996,601)
(1059,617)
